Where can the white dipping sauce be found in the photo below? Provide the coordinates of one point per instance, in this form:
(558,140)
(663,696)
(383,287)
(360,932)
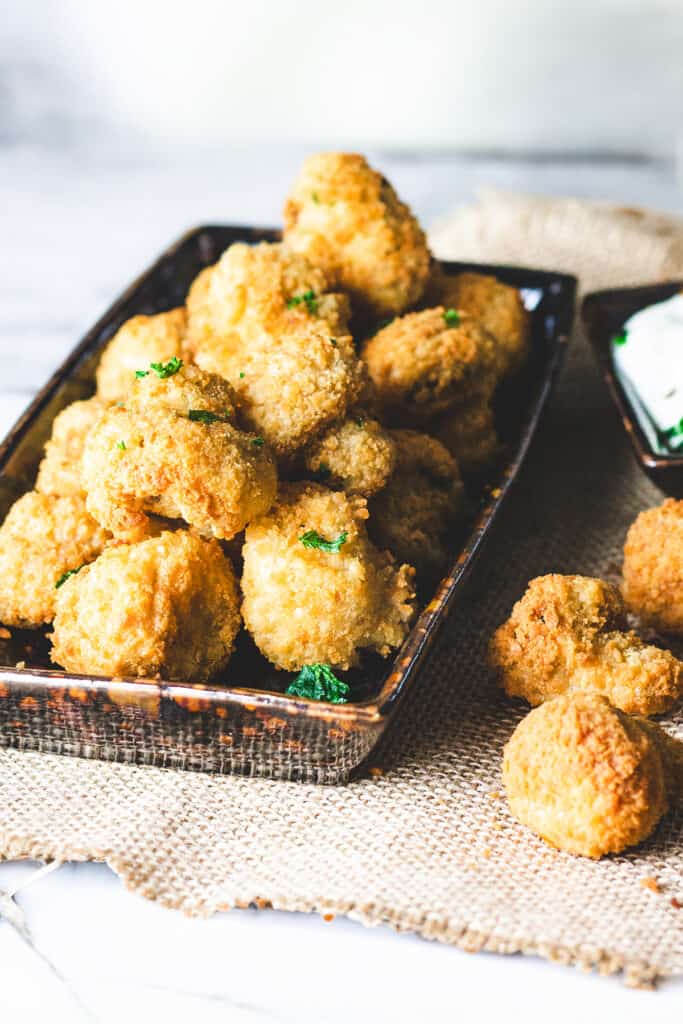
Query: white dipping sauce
(649,354)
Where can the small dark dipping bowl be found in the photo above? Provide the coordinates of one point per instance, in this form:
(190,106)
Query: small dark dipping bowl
(604,315)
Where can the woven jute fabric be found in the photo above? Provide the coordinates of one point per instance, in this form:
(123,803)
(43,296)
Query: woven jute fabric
(426,844)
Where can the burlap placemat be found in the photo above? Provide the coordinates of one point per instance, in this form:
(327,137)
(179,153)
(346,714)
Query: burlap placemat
(428,844)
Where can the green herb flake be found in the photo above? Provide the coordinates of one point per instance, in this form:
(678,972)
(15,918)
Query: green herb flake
(164,370)
(242,374)
(451,317)
(333,341)
(204,416)
(318,682)
(121,445)
(66,575)
(306,297)
(315,197)
(257,442)
(620,339)
(141,373)
(312,539)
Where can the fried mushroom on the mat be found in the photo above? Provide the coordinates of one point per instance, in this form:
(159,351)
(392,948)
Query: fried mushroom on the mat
(414,514)
(42,538)
(357,455)
(346,218)
(137,343)
(168,605)
(586,777)
(174,451)
(428,363)
(267,320)
(60,471)
(316,590)
(653,566)
(570,633)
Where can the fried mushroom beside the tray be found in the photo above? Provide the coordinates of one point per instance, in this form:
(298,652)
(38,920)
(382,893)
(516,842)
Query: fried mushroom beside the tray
(586,777)
(316,590)
(653,566)
(346,218)
(569,633)
(166,606)
(42,538)
(137,343)
(173,451)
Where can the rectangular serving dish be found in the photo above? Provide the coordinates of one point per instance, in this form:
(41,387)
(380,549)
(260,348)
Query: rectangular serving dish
(245,723)
(604,315)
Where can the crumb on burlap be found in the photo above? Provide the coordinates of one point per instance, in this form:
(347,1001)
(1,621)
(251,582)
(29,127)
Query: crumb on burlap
(5,633)
(650,883)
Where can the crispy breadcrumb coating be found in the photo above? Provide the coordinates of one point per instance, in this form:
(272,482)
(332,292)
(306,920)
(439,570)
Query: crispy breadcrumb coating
(266,320)
(303,605)
(469,433)
(346,218)
(497,306)
(42,538)
(586,777)
(358,455)
(570,633)
(168,605)
(422,366)
(137,343)
(413,516)
(60,471)
(173,452)
(653,566)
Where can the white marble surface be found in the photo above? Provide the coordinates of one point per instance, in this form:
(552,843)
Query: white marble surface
(77,225)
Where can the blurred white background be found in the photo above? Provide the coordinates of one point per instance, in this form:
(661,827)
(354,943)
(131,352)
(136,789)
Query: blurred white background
(592,76)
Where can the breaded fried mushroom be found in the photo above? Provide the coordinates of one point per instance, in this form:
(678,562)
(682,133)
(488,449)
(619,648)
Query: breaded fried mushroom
(60,471)
(266,320)
(316,591)
(174,452)
(428,363)
(137,343)
(469,434)
(414,514)
(653,566)
(497,306)
(586,777)
(42,538)
(569,633)
(357,455)
(168,605)
(346,218)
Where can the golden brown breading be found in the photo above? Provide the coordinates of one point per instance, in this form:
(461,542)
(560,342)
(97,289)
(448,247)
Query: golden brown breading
(346,218)
(569,633)
(155,457)
(266,320)
(137,343)
(357,455)
(60,471)
(422,366)
(653,566)
(469,433)
(168,605)
(497,306)
(303,605)
(413,516)
(42,537)
(585,777)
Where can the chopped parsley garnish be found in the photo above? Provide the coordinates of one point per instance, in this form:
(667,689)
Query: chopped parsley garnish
(121,445)
(306,297)
(312,539)
(315,197)
(451,317)
(242,374)
(66,575)
(334,341)
(204,416)
(620,339)
(257,442)
(162,370)
(318,682)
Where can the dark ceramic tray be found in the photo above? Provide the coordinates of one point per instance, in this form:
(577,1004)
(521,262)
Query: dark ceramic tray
(245,723)
(604,315)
